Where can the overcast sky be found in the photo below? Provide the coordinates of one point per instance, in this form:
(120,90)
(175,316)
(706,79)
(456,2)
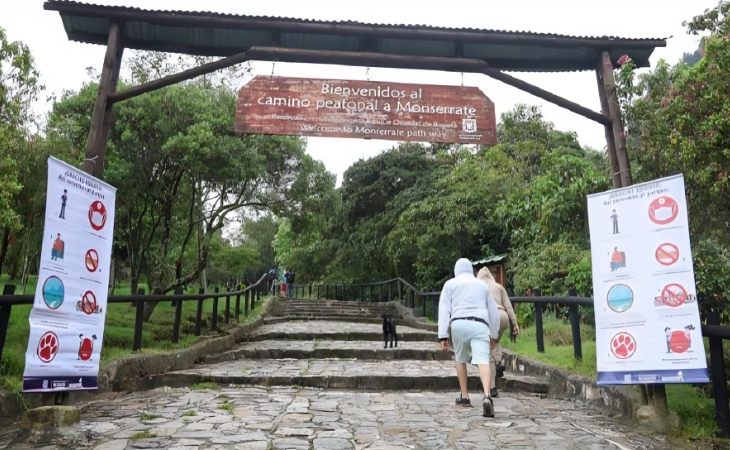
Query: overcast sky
(63,63)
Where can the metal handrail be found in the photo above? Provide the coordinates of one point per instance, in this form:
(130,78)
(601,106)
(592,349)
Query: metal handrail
(252,294)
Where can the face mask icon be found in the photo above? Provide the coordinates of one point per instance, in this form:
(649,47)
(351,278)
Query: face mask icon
(663,210)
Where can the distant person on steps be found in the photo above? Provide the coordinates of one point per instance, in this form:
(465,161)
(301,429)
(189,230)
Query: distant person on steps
(468,313)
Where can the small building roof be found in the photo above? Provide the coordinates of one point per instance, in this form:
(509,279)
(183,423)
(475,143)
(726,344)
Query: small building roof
(492,260)
(214,34)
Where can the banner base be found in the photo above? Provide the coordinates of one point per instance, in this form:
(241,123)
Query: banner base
(59,384)
(654,377)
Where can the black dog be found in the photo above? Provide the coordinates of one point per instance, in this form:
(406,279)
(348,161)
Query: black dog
(389,331)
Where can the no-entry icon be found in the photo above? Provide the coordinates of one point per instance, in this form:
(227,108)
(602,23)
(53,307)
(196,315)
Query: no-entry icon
(92,260)
(88,303)
(674,295)
(663,210)
(667,254)
(97,215)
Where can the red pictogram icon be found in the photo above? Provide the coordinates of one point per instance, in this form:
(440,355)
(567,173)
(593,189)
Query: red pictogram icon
(663,210)
(47,347)
(623,345)
(97,215)
(667,254)
(92,260)
(88,303)
(86,347)
(674,295)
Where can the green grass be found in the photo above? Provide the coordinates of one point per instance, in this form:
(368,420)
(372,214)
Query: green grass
(558,346)
(143,435)
(226,406)
(188,414)
(119,330)
(695,408)
(145,417)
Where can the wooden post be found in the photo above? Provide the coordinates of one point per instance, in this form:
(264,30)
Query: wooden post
(138,319)
(199,313)
(5,310)
(214,317)
(238,302)
(101,118)
(178,316)
(610,142)
(609,85)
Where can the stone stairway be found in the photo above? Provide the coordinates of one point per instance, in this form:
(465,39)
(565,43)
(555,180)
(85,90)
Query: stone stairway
(336,354)
(333,310)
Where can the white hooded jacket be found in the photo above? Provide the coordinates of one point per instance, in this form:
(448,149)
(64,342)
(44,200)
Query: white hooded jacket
(466,296)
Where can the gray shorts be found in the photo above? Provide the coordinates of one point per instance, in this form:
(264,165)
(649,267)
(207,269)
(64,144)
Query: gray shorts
(471,341)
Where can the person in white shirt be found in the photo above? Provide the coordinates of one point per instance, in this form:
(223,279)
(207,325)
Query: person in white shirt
(466,310)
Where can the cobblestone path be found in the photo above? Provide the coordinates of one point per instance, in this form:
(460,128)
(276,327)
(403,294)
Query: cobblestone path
(285,418)
(330,385)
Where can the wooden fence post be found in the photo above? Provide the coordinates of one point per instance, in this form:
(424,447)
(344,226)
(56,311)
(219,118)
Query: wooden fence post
(228,305)
(719,381)
(138,319)
(538,323)
(5,310)
(178,316)
(199,313)
(214,318)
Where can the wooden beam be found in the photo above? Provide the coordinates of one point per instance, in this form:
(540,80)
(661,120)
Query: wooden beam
(178,77)
(102,115)
(418,62)
(361,59)
(609,84)
(210,20)
(610,141)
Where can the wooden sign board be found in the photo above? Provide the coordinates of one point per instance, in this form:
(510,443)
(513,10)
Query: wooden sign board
(366,110)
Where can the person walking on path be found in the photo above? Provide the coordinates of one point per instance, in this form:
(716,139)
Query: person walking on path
(289,280)
(272,280)
(468,313)
(506,317)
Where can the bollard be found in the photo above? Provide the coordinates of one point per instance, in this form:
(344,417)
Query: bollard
(178,316)
(138,319)
(214,317)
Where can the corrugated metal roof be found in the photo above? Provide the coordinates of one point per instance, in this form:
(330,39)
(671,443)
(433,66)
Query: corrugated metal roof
(219,34)
(494,259)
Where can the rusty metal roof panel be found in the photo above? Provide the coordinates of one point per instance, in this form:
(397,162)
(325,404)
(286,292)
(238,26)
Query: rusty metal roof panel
(217,34)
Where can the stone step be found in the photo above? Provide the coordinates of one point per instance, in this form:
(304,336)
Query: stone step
(330,311)
(335,331)
(341,374)
(312,317)
(363,350)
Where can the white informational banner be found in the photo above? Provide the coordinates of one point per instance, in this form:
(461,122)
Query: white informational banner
(67,319)
(647,319)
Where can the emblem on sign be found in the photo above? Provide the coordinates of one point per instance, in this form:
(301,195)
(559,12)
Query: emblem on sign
(469,125)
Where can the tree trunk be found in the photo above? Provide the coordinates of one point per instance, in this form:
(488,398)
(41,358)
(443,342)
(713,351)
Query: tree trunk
(204,280)
(113,277)
(149,307)
(4,247)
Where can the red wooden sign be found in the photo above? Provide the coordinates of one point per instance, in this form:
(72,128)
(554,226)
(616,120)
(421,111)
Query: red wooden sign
(366,110)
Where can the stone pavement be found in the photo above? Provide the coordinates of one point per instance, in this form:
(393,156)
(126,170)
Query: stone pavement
(239,418)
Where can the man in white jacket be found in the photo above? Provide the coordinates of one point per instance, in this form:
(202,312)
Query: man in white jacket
(468,311)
